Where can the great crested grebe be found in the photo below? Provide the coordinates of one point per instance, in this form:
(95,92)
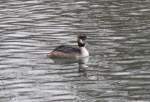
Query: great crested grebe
(68,51)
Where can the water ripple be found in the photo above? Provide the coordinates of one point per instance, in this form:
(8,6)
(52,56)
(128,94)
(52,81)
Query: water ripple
(118,41)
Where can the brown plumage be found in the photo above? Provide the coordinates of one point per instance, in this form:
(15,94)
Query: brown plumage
(68,51)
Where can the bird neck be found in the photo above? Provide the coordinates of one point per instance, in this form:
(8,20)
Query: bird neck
(84,51)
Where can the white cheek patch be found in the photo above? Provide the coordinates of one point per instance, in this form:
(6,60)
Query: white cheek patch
(81,41)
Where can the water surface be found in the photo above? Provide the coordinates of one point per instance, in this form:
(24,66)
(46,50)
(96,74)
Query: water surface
(118,41)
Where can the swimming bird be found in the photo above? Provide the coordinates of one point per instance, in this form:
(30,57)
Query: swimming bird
(68,51)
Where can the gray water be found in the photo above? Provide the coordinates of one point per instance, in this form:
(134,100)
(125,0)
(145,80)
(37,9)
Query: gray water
(118,69)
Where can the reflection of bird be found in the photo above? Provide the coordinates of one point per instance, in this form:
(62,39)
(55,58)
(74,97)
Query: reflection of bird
(68,51)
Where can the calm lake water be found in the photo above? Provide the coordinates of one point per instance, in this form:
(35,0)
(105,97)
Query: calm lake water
(118,69)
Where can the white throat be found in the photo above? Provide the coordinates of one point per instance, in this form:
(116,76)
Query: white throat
(84,52)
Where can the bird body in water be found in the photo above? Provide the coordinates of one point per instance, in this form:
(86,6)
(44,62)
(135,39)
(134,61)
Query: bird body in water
(68,51)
